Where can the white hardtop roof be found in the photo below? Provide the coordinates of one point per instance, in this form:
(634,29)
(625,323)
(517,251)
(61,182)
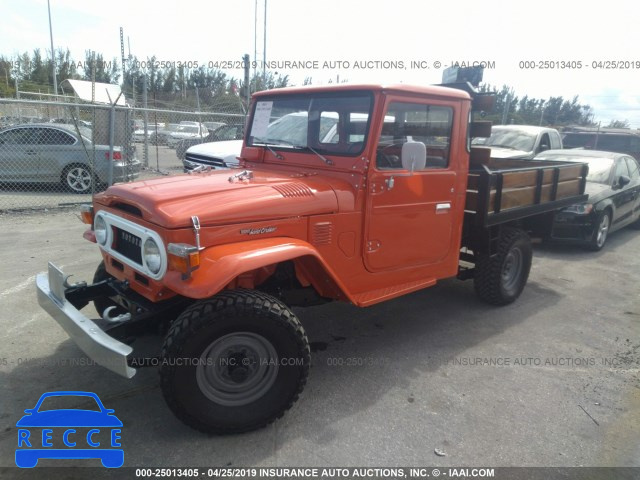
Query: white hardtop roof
(104,92)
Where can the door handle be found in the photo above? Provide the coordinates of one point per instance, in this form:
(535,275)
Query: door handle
(442,207)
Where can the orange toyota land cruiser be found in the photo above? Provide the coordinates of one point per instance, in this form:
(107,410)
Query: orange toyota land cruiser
(356,193)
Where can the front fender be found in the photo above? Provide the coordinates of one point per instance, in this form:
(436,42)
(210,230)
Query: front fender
(220,265)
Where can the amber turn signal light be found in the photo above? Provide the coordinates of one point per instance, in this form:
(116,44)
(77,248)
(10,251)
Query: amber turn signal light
(86,214)
(183,258)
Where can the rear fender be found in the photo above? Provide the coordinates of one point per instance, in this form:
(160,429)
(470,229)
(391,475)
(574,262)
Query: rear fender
(240,264)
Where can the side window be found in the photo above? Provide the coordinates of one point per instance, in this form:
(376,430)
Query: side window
(621,169)
(633,168)
(413,122)
(51,136)
(545,143)
(19,136)
(328,127)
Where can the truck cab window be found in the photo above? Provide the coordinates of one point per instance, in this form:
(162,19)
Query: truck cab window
(413,122)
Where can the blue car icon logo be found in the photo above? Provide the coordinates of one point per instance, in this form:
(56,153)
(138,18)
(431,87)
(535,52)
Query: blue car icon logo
(89,431)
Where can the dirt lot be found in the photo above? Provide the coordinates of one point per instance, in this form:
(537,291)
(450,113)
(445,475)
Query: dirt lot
(552,380)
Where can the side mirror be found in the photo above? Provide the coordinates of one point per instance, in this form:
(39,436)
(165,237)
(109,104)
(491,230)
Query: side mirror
(623,180)
(414,156)
(544,147)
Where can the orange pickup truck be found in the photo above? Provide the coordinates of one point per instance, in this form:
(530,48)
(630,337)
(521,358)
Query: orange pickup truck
(357,193)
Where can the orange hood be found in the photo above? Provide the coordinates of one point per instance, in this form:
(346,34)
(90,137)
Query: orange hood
(170,202)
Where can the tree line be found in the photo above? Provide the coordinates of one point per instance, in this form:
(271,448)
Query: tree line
(204,88)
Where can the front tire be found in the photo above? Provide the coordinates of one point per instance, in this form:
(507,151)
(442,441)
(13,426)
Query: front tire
(234,363)
(500,278)
(600,231)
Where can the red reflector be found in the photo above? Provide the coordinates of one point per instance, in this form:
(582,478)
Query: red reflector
(116,155)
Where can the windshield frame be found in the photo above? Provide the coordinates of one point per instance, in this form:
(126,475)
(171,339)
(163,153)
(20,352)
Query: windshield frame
(312,99)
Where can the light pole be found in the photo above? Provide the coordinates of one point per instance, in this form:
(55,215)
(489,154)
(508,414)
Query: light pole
(53,53)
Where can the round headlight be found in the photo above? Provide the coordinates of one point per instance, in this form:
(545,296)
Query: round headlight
(100,230)
(151,254)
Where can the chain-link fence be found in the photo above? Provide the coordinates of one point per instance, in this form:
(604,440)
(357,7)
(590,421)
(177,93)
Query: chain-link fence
(58,154)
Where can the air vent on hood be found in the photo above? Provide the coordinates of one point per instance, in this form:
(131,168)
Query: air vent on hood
(128,208)
(294,190)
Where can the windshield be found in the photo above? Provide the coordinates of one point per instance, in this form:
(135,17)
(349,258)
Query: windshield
(600,170)
(508,138)
(187,129)
(335,124)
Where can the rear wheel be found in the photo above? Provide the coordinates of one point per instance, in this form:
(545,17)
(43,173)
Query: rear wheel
(77,178)
(500,278)
(234,362)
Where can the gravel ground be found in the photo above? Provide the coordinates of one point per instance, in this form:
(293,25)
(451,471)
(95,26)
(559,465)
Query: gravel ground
(552,380)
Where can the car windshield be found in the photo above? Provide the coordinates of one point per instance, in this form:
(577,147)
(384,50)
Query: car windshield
(69,402)
(599,170)
(335,124)
(187,129)
(508,138)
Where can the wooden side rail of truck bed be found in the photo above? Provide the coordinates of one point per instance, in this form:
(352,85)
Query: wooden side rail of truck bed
(503,190)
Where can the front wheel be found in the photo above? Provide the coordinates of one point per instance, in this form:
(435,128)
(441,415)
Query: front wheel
(600,231)
(500,278)
(234,362)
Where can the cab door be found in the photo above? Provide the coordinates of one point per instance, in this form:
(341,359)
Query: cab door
(411,215)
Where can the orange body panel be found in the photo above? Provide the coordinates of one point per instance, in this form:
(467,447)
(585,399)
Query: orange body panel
(349,235)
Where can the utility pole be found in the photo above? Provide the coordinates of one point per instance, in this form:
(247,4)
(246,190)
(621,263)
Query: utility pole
(255,43)
(541,113)
(264,46)
(53,53)
(507,106)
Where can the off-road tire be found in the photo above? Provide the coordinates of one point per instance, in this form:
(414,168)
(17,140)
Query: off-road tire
(494,282)
(227,317)
(102,303)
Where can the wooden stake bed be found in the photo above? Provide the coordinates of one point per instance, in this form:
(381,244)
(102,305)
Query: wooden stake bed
(502,190)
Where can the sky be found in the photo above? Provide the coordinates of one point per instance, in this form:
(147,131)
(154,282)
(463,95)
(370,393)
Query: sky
(385,41)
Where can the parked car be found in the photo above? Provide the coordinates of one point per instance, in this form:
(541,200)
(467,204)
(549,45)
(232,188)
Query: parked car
(186,131)
(520,141)
(613,185)
(140,134)
(213,125)
(612,141)
(51,153)
(212,154)
(162,134)
(223,132)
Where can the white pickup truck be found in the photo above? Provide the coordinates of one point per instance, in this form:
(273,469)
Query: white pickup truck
(520,141)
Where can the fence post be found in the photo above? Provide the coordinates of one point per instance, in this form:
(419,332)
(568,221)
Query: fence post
(145,149)
(112,130)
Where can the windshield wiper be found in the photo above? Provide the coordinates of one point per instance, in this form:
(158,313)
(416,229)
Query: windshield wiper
(268,147)
(322,157)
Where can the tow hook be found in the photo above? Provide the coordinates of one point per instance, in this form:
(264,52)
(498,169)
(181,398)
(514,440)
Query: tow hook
(106,316)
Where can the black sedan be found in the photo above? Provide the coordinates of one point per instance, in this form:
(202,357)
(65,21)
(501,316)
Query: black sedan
(613,185)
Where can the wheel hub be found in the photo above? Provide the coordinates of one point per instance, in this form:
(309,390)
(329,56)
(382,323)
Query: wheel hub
(237,369)
(511,269)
